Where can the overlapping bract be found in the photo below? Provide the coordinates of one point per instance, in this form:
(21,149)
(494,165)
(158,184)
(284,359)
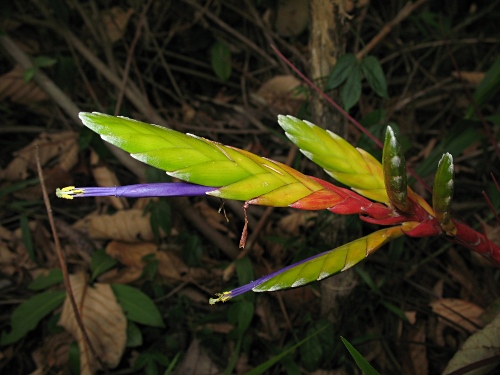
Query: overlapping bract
(379,194)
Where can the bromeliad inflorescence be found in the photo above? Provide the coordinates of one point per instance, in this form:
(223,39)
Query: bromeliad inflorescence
(379,194)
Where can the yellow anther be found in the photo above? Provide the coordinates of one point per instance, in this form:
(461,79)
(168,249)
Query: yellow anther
(222,297)
(68,192)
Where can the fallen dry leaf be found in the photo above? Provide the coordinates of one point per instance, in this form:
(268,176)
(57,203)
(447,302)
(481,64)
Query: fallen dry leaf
(280,93)
(131,255)
(125,225)
(457,312)
(295,222)
(481,345)
(415,362)
(52,353)
(292,17)
(14,87)
(103,176)
(115,21)
(197,361)
(62,145)
(471,77)
(103,319)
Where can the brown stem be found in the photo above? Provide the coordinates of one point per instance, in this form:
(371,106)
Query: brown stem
(62,263)
(408,9)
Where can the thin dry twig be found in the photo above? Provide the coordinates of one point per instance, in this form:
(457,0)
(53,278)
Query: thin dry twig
(130,55)
(62,263)
(408,9)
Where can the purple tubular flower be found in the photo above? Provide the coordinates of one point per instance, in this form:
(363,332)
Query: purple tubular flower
(253,285)
(159,189)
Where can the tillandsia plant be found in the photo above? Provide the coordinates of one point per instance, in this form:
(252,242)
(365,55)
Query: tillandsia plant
(379,193)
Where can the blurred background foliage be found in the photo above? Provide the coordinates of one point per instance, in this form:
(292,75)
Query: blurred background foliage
(429,69)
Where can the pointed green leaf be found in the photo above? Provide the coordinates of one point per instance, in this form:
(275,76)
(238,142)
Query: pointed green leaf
(394,164)
(29,313)
(341,71)
(351,91)
(348,165)
(137,305)
(375,75)
(220,57)
(362,363)
(442,194)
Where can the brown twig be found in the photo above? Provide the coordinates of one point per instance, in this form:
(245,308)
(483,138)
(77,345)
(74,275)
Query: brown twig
(232,31)
(130,54)
(62,263)
(408,9)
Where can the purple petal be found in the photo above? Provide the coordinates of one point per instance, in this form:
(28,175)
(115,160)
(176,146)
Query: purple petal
(159,189)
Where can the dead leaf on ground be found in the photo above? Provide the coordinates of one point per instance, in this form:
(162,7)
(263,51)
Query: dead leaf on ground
(481,345)
(131,255)
(103,176)
(212,217)
(15,88)
(126,225)
(103,319)
(62,145)
(52,353)
(116,20)
(292,17)
(197,361)
(415,362)
(295,222)
(471,77)
(280,93)
(8,260)
(458,313)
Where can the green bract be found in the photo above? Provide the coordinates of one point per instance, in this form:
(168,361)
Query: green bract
(394,164)
(351,166)
(442,193)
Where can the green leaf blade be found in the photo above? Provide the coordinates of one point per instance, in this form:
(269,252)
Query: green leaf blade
(341,71)
(362,363)
(29,314)
(351,91)
(138,307)
(220,58)
(375,76)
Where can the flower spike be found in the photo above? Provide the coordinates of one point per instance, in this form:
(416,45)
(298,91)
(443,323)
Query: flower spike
(442,194)
(394,165)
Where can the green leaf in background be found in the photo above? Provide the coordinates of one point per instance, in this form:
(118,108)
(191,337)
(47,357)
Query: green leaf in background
(461,136)
(42,282)
(29,313)
(160,218)
(100,263)
(38,62)
(488,87)
(262,368)
(43,61)
(341,71)
(138,306)
(134,335)
(220,57)
(351,91)
(27,238)
(74,358)
(375,75)
(362,363)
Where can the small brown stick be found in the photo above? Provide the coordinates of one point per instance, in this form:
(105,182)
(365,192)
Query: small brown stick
(232,31)
(130,54)
(403,13)
(62,263)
